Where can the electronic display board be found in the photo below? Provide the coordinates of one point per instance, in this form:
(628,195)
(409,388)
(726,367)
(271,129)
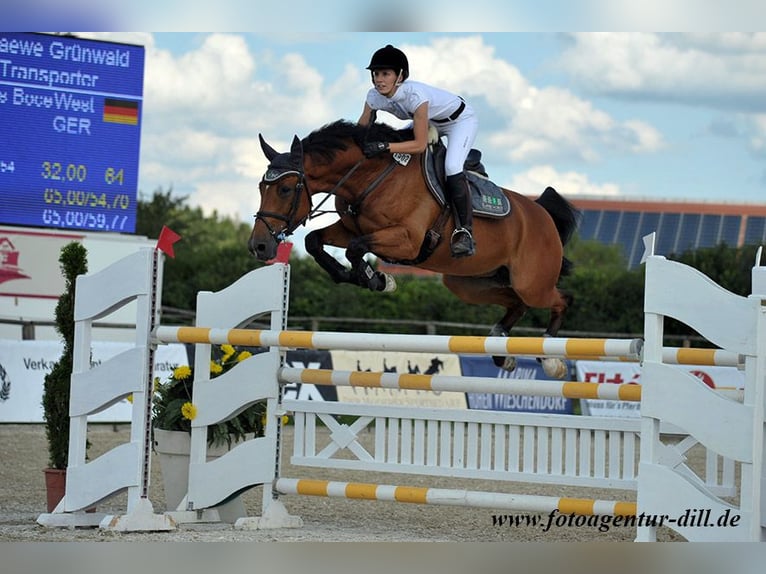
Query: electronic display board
(70,126)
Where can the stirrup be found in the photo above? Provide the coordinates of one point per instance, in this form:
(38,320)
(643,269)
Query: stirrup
(462,243)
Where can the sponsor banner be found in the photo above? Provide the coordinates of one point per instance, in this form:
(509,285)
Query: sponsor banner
(24,364)
(29,263)
(625,373)
(526,368)
(309,359)
(395,362)
(300,358)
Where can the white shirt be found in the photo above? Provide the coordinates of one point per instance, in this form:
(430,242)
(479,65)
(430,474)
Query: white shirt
(409,96)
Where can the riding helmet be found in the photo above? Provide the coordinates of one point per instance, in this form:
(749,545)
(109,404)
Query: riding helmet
(390,58)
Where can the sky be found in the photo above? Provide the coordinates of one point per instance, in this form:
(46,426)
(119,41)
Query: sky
(652,116)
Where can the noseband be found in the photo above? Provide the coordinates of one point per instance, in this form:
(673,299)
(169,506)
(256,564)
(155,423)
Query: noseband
(291,223)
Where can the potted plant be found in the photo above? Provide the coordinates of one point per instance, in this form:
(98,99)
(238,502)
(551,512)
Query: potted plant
(172,414)
(56,388)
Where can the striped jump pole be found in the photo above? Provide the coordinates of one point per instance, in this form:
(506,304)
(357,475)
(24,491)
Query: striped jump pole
(449,383)
(569,348)
(420,382)
(702,357)
(453,497)
(627,350)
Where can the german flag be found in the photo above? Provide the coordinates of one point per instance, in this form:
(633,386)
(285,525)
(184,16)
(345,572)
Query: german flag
(121,111)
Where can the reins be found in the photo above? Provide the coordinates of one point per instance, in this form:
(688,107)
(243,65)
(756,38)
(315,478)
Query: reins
(352,209)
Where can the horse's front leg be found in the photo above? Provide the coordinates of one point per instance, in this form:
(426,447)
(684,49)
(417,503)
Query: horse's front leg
(363,272)
(335,235)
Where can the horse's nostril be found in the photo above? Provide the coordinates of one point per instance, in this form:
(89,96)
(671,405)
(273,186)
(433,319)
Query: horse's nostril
(256,248)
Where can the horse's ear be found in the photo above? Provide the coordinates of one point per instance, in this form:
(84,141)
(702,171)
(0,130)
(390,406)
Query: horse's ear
(268,151)
(296,149)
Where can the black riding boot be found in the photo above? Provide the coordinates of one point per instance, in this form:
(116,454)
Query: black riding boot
(461,242)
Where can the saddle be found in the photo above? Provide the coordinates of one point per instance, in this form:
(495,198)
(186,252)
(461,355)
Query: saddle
(487,199)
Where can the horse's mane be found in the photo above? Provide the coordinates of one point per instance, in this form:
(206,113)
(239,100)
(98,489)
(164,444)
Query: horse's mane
(326,141)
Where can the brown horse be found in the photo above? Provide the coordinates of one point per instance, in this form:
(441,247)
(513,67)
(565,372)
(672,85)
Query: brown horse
(386,209)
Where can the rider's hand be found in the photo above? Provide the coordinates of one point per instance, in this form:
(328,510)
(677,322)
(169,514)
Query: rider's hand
(371,149)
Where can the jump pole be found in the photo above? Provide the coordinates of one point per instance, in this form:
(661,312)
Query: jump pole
(628,350)
(467,345)
(452,383)
(455,497)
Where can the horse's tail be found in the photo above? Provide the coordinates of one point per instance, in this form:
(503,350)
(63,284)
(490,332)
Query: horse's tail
(565,216)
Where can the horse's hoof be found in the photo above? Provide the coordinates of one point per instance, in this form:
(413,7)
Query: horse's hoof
(390,283)
(505,363)
(555,368)
(498,331)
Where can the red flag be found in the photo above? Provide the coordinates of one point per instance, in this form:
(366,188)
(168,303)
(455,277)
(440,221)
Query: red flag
(283,253)
(167,238)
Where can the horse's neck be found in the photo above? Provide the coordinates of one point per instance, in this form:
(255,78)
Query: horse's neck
(333,178)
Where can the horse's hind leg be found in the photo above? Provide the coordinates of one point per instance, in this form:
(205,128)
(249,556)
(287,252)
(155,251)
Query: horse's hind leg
(553,366)
(495,291)
(503,328)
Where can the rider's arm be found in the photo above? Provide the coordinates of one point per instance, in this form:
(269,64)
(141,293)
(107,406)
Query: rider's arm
(364,119)
(420,129)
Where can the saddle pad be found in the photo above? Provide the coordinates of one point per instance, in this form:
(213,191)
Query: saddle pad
(487,198)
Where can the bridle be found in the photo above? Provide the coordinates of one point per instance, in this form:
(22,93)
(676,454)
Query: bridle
(274,175)
(291,223)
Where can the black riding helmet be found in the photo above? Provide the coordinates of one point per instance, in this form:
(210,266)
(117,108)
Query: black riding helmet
(391,58)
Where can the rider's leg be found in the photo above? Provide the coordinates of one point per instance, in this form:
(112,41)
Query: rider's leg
(460,137)
(461,242)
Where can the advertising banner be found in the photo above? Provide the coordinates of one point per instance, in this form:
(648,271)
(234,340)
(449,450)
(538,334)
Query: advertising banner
(397,362)
(626,373)
(309,359)
(526,368)
(24,364)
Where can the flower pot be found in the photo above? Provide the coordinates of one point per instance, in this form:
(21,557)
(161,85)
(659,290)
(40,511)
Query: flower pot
(173,448)
(55,486)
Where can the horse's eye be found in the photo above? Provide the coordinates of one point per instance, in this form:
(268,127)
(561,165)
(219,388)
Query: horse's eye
(285,190)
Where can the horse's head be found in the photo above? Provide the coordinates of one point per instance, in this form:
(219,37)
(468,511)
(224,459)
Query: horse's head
(285,200)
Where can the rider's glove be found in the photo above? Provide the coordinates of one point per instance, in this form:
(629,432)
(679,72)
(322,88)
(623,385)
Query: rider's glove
(371,149)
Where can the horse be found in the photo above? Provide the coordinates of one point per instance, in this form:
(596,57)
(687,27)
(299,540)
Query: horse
(386,209)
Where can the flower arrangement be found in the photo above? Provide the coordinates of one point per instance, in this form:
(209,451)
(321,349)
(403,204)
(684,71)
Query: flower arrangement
(173,409)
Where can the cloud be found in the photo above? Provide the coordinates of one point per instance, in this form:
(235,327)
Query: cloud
(204,109)
(569,183)
(723,71)
(538,124)
(757,137)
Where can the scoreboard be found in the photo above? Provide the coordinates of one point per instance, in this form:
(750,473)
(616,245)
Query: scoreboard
(70,127)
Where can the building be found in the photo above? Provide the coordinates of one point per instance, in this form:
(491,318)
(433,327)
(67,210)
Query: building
(679,225)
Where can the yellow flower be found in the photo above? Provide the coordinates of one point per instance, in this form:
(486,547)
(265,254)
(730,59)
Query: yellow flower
(130,398)
(182,372)
(285,419)
(244,355)
(189,411)
(215,368)
(228,351)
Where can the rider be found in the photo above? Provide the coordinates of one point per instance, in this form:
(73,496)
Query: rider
(421,103)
